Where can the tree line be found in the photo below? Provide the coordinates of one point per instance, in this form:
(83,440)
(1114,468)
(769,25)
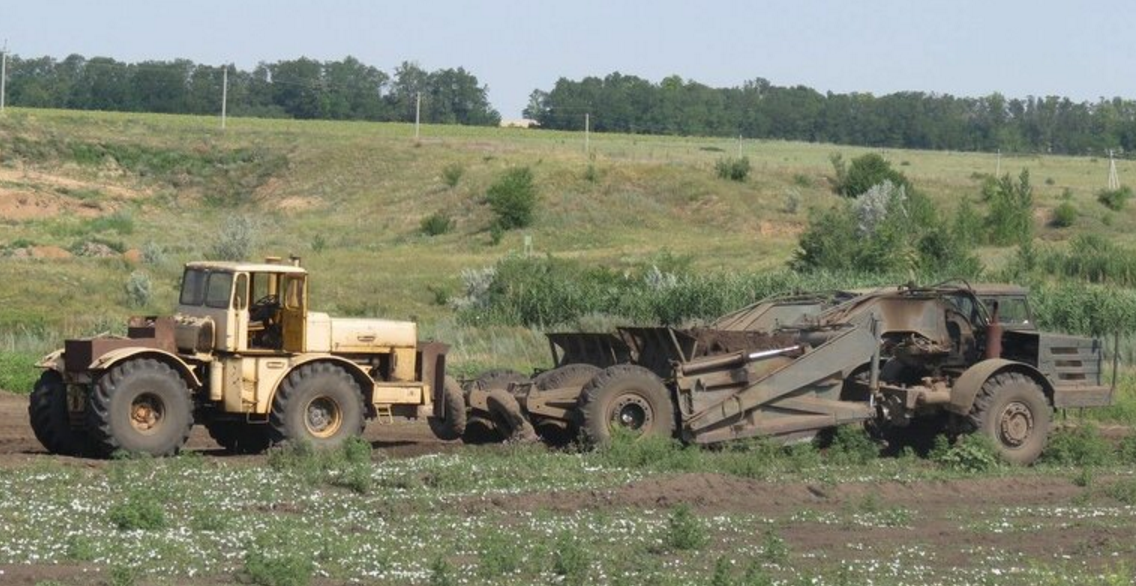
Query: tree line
(351,90)
(298,88)
(759,109)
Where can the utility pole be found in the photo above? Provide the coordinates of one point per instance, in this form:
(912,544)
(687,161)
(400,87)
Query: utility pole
(739,146)
(998,165)
(417,116)
(1113,176)
(224,94)
(587,131)
(3,75)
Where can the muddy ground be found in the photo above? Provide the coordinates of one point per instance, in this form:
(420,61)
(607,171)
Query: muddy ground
(943,514)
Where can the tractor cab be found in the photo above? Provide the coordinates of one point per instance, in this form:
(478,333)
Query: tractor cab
(243,307)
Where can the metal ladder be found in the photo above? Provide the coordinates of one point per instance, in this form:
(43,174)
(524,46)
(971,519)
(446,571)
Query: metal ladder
(382,411)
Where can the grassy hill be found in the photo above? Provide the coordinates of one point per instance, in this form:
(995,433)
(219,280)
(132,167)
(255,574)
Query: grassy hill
(349,198)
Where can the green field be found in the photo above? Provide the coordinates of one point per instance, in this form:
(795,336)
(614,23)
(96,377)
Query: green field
(637,513)
(349,197)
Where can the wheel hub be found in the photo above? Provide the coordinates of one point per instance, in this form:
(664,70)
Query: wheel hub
(1015,424)
(323,417)
(146,413)
(632,412)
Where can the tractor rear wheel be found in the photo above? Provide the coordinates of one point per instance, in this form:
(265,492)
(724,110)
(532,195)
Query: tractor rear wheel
(452,424)
(239,437)
(140,406)
(628,398)
(319,404)
(1011,409)
(49,416)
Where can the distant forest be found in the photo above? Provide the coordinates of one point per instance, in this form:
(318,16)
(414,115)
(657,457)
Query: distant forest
(299,88)
(351,90)
(917,120)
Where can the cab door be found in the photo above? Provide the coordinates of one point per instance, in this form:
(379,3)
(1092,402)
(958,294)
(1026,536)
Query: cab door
(294,313)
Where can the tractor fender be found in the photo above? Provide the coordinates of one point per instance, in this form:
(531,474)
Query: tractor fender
(108,360)
(361,376)
(967,386)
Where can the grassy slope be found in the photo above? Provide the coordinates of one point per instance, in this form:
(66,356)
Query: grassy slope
(362,189)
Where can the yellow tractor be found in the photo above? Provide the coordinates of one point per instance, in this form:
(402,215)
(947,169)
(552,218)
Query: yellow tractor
(244,356)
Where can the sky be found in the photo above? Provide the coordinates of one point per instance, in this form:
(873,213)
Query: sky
(1083,50)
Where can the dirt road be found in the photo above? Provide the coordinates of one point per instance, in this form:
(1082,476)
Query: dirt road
(18,444)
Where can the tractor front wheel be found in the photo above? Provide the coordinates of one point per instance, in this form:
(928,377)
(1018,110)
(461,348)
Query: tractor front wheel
(319,404)
(1011,409)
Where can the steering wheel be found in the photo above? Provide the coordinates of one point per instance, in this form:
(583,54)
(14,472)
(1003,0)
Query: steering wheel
(264,308)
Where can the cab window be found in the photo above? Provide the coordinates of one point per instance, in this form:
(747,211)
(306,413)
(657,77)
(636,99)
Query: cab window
(1012,311)
(293,292)
(193,287)
(219,290)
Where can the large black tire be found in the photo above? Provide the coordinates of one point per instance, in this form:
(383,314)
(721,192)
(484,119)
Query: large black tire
(628,397)
(452,425)
(1011,409)
(239,437)
(319,404)
(500,378)
(480,429)
(555,432)
(140,406)
(508,418)
(569,375)
(48,414)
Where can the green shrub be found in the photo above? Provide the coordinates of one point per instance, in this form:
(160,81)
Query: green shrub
(865,172)
(685,531)
(570,559)
(498,555)
(277,568)
(1010,220)
(140,511)
(1084,478)
(591,175)
(139,289)
(153,254)
(1115,199)
(1126,453)
(236,239)
(774,549)
(436,224)
(319,243)
(513,198)
(442,573)
(1092,258)
(851,444)
(496,234)
(888,229)
(1123,491)
(1079,446)
(451,174)
(122,576)
(971,453)
(1064,215)
(627,450)
(734,169)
